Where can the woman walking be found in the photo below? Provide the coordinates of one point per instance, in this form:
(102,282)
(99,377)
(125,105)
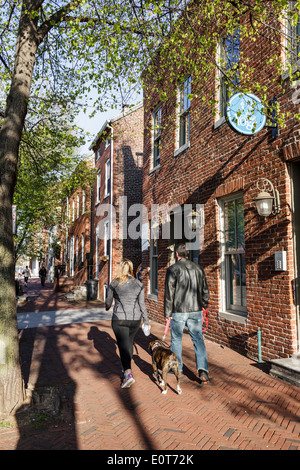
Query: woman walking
(128,310)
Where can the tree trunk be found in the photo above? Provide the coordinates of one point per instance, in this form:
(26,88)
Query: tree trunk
(11,382)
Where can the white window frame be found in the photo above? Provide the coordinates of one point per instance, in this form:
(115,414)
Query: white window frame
(183,115)
(289,31)
(83,201)
(68,210)
(97,257)
(71,254)
(78,206)
(156,137)
(76,250)
(153,260)
(221,81)
(98,154)
(82,248)
(98,186)
(105,287)
(227,311)
(106,239)
(73,205)
(107,177)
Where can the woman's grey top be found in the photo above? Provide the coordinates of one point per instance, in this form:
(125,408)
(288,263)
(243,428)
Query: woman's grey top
(129,300)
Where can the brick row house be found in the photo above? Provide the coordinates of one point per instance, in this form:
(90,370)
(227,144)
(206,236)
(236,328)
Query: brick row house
(95,244)
(72,270)
(197,167)
(118,150)
(198,175)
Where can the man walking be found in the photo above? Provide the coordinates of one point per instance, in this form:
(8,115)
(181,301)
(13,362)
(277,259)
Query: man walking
(186,293)
(27,275)
(43,274)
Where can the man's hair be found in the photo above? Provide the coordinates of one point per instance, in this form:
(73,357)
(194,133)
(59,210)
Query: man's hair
(181,250)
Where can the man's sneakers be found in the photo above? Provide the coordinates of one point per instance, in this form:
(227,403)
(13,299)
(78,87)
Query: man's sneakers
(127,381)
(203,376)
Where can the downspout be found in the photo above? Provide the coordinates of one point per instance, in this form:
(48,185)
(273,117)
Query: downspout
(111,199)
(259,345)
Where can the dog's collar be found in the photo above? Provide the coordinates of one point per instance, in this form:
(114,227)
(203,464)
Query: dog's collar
(158,343)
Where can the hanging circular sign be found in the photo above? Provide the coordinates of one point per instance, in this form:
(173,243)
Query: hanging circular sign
(245,113)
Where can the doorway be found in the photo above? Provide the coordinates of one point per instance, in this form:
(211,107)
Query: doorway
(295,180)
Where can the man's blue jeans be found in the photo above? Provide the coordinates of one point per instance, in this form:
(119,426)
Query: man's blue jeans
(193,321)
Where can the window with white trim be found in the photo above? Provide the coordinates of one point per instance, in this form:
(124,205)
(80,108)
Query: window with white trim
(73,206)
(106,239)
(68,210)
(76,251)
(156,136)
(153,259)
(98,154)
(83,201)
(107,177)
(228,60)
(98,187)
(293,34)
(82,249)
(97,256)
(78,207)
(184,105)
(71,254)
(233,265)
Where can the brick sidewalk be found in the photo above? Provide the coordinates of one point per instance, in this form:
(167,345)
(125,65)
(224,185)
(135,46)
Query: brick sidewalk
(242,409)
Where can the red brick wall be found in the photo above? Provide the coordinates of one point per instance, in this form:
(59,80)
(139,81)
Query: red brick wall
(220,162)
(81,225)
(127,182)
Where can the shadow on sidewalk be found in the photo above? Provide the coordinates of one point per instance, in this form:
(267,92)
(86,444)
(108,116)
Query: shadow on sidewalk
(41,299)
(49,422)
(110,368)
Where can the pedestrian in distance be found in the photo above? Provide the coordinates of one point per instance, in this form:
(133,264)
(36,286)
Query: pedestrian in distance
(27,275)
(129,308)
(43,274)
(186,294)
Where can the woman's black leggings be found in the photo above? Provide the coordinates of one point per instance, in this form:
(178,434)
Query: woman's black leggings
(125,331)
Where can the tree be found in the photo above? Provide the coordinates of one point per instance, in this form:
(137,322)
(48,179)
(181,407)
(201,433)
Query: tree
(53,52)
(47,159)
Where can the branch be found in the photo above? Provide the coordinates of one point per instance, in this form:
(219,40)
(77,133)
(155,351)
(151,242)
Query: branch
(55,19)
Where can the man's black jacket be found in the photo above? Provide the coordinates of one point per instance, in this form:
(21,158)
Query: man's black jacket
(186,288)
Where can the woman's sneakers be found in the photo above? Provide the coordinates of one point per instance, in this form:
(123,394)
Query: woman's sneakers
(128,381)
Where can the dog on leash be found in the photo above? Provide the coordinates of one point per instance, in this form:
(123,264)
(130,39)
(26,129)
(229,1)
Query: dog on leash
(165,360)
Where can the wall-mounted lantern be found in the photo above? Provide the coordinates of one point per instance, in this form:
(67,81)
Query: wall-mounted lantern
(267,201)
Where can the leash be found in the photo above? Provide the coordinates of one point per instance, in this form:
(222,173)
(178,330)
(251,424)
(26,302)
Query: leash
(166,328)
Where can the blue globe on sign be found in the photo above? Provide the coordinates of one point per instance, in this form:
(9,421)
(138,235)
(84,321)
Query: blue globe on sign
(245,113)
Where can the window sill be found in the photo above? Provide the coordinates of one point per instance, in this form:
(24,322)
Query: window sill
(154,169)
(181,149)
(106,195)
(235,317)
(152,297)
(219,122)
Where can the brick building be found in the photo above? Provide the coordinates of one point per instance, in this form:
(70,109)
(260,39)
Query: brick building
(75,240)
(197,160)
(118,149)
